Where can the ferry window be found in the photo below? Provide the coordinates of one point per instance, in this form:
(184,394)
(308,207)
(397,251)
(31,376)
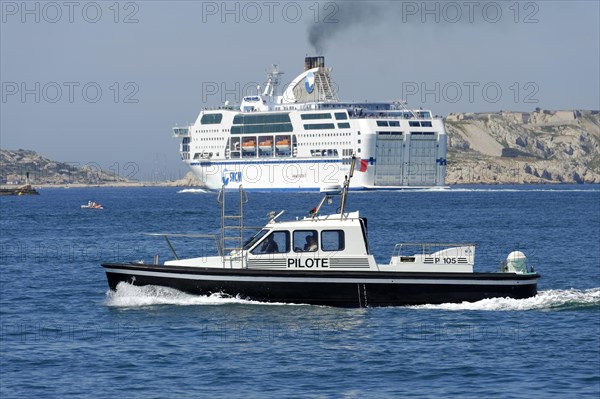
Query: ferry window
(426,124)
(241,119)
(344,125)
(341,116)
(305,241)
(263,128)
(277,242)
(315,116)
(211,119)
(394,123)
(414,123)
(332,240)
(382,123)
(318,126)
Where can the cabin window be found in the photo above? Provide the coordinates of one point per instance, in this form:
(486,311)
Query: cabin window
(306,241)
(344,125)
(315,116)
(263,128)
(332,240)
(319,126)
(341,116)
(254,239)
(277,242)
(211,119)
(243,119)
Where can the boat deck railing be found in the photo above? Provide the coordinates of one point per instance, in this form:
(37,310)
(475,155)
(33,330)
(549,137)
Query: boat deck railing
(405,250)
(166,236)
(355,110)
(221,251)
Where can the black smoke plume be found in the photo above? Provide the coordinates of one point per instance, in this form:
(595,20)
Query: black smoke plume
(336,17)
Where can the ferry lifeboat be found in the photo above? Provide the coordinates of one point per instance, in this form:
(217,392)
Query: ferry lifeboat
(266,145)
(249,146)
(283,144)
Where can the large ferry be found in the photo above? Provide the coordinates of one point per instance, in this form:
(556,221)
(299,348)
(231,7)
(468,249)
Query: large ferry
(305,138)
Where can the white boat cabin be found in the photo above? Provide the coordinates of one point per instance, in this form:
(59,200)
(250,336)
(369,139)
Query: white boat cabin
(332,243)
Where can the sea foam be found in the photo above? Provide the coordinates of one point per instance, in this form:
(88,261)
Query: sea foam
(544,300)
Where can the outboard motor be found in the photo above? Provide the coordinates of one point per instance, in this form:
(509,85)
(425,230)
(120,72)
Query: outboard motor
(516,262)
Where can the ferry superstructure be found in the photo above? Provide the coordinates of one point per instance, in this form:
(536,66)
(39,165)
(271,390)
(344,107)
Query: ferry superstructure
(305,138)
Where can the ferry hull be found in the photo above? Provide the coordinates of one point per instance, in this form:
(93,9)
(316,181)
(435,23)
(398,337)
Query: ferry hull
(343,289)
(290,176)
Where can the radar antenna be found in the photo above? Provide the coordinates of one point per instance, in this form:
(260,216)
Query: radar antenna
(272,80)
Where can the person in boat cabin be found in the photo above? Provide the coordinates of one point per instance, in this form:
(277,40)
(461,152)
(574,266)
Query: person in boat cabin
(269,246)
(311,244)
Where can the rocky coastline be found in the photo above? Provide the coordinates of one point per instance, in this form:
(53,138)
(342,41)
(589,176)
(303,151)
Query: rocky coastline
(523,147)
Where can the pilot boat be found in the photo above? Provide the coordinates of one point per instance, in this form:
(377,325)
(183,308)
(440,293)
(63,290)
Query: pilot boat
(324,259)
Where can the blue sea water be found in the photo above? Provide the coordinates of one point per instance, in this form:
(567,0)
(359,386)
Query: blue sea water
(62,333)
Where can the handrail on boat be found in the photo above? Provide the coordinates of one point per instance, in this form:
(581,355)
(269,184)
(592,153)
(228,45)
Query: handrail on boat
(167,235)
(398,247)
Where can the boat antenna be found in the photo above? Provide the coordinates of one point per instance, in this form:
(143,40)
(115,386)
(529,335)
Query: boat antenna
(346,186)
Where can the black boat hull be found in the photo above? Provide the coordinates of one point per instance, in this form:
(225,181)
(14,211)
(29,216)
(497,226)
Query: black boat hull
(347,289)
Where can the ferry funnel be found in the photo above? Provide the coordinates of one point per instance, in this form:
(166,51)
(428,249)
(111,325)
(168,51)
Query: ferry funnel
(314,62)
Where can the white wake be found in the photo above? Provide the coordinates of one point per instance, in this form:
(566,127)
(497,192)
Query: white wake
(544,300)
(193,191)
(128,295)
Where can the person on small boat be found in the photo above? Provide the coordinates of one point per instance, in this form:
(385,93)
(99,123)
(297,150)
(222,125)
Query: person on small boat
(311,244)
(269,246)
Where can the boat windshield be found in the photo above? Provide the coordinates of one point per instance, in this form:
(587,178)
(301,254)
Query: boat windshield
(254,239)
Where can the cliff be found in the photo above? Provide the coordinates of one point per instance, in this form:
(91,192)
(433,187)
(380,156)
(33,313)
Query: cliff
(524,147)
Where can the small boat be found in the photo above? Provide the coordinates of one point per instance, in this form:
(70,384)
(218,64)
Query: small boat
(92,205)
(324,259)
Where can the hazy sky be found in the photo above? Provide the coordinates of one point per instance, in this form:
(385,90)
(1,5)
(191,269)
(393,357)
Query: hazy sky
(103,82)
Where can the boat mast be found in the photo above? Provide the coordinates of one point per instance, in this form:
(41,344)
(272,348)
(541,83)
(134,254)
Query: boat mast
(346,186)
